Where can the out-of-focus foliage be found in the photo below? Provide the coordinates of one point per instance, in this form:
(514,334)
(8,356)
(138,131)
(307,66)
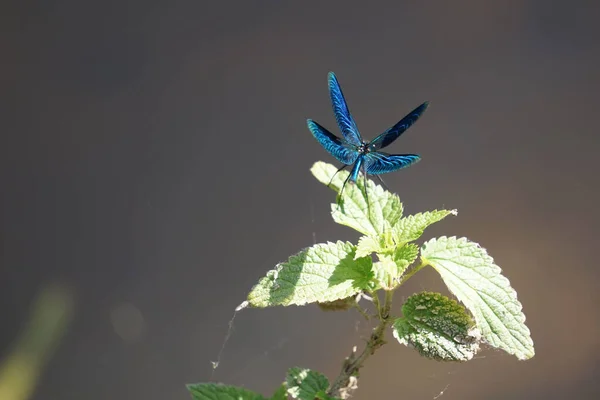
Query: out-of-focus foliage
(22,367)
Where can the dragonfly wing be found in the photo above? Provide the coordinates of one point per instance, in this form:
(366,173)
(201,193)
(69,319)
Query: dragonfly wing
(342,113)
(343,152)
(382,163)
(395,131)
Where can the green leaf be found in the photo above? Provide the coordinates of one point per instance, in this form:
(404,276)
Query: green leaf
(322,273)
(438,327)
(470,273)
(367,246)
(218,391)
(411,227)
(386,272)
(390,268)
(404,256)
(383,244)
(280,393)
(305,384)
(352,210)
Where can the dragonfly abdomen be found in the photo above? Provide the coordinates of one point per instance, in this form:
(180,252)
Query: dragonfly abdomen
(356,168)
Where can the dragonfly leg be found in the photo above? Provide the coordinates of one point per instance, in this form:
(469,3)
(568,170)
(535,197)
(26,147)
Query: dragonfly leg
(383,183)
(366,191)
(339,169)
(339,198)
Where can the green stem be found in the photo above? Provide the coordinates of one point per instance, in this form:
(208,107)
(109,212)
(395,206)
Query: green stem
(377,303)
(344,383)
(362,311)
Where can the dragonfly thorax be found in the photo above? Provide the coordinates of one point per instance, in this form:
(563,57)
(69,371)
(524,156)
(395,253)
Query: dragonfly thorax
(364,148)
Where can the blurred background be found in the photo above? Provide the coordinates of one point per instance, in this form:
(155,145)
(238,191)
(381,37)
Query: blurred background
(154,164)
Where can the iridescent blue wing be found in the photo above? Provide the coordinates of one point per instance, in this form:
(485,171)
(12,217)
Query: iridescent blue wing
(343,152)
(382,163)
(395,131)
(342,113)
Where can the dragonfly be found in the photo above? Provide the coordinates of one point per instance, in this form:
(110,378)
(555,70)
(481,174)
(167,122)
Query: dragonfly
(351,149)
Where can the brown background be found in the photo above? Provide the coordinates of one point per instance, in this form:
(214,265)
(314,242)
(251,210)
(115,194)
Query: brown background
(154,158)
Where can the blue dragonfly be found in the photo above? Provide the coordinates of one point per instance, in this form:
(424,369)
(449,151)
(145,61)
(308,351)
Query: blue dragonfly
(352,150)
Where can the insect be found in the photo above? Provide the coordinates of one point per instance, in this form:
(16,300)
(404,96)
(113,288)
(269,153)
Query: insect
(352,150)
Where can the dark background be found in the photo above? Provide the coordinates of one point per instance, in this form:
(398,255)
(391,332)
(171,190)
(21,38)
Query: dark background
(154,158)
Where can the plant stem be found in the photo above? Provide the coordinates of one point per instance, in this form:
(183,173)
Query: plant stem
(346,380)
(377,304)
(362,311)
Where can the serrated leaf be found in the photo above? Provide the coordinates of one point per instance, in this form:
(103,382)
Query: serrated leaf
(386,272)
(411,227)
(404,256)
(218,391)
(367,246)
(280,393)
(305,384)
(471,275)
(322,273)
(438,327)
(352,210)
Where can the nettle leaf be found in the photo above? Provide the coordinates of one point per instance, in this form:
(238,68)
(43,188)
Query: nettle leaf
(471,275)
(280,393)
(218,391)
(322,273)
(352,210)
(438,327)
(366,246)
(390,268)
(404,256)
(383,244)
(411,227)
(386,272)
(305,384)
